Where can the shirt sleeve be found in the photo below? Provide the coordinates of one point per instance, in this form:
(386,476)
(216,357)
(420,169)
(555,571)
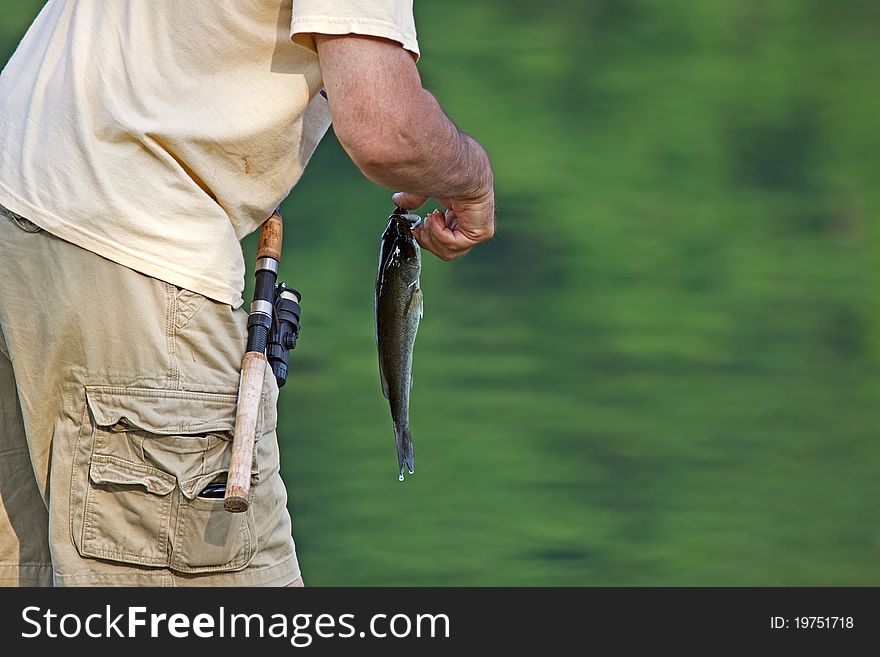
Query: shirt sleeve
(389,19)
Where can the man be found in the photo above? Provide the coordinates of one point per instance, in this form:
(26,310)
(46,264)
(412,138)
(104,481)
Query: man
(139,142)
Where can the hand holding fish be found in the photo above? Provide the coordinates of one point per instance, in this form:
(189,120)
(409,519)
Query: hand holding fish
(397,134)
(451,234)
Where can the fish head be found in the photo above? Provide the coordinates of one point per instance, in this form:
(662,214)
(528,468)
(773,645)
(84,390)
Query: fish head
(399,248)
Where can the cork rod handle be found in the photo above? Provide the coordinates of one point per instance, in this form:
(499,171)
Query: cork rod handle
(253,368)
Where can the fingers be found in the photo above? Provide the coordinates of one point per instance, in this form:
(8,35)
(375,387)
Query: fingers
(408,201)
(452,233)
(440,234)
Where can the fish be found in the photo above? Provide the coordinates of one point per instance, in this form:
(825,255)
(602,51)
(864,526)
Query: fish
(398,311)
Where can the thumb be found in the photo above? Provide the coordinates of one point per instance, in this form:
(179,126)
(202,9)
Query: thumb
(408,201)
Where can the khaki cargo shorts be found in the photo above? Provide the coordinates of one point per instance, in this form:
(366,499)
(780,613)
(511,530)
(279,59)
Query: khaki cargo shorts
(117,409)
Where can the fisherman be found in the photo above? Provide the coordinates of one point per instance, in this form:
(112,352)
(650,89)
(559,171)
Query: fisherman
(139,143)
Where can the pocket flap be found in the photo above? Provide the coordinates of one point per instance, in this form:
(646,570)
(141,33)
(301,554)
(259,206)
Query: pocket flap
(109,470)
(151,409)
(193,486)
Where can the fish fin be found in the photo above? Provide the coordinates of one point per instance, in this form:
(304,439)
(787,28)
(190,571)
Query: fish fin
(405,456)
(416,301)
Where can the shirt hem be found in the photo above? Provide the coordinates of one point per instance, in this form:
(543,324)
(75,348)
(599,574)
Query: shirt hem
(85,240)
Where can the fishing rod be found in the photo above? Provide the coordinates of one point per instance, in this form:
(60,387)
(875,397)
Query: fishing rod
(273,326)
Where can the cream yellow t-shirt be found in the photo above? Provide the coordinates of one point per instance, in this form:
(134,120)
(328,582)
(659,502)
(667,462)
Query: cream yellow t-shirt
(158,133)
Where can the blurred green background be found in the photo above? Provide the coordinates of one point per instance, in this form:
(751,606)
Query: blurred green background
(664,369)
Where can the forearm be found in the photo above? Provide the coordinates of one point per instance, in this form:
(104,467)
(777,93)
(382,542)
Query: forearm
(424,152)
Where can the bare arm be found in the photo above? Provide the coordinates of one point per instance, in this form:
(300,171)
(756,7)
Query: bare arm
(397,134)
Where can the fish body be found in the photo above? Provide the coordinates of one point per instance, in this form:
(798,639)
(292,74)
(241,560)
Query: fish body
(398,311)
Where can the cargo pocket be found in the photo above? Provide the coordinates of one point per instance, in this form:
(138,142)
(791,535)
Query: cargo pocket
(143,457)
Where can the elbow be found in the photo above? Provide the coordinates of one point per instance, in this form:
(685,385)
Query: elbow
(378,149)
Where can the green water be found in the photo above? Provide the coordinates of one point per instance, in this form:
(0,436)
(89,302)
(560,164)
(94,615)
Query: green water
(664,368)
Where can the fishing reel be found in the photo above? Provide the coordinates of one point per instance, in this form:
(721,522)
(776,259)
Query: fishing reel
(284,331)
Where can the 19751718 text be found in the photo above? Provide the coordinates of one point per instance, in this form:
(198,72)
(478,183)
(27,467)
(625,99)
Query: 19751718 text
(812,622)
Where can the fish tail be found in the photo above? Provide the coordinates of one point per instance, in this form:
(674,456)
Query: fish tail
(405,456)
